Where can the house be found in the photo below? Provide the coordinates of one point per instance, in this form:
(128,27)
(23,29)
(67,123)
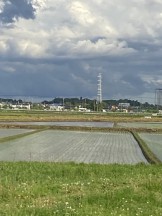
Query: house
(20,106)
(56,107)
(81,109)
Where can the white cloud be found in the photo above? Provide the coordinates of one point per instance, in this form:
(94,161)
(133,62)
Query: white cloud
(39,4)
(71,26)
(3,47)
(1,6)
(81,13)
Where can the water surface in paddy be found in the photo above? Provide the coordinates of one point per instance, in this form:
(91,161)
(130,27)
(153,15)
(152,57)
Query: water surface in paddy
(80,124)
(76,146)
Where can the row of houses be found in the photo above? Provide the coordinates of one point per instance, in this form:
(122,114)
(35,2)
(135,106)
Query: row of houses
(57,107)
(121,107)
(52,107)
(4,105)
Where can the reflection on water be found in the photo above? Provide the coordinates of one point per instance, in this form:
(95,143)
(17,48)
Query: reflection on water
(81,124)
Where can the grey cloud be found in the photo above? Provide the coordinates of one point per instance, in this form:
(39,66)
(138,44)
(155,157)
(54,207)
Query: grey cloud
(48,80)
(97,38)
(70,78)
(146,46)
(14,9)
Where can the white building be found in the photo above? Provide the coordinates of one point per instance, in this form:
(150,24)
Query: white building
(56,107)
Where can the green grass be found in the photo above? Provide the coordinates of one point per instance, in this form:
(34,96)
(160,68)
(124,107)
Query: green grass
(33,115)
(30,188)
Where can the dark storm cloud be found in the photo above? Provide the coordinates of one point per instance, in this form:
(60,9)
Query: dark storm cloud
(70,78)
(14,9)
(46,80)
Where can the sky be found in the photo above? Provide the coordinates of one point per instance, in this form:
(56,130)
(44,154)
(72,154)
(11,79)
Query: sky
(51,48)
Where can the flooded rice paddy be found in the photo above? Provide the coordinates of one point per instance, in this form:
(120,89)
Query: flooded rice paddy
(154,142)
(11,132)
(76,146)
(151,125)
(80,124)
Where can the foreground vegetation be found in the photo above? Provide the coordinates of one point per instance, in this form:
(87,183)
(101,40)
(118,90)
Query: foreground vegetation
(79,189)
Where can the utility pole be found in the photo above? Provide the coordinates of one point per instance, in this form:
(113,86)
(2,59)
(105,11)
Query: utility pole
(94,105)
(63,103)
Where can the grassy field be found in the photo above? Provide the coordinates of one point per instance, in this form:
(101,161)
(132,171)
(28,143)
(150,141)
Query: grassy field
(79,189)
(8,115)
